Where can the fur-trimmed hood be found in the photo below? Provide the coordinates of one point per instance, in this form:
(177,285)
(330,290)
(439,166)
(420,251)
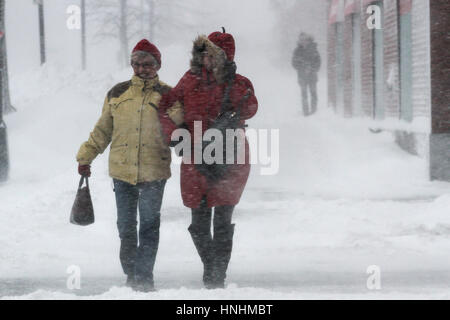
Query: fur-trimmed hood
(202,44)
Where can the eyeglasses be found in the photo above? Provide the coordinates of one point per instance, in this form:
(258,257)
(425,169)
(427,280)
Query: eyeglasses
(143,65)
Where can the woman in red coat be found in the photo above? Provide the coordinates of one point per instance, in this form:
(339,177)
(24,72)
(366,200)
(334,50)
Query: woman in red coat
(199,96)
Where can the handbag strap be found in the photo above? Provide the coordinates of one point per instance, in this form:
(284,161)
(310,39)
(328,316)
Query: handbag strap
(81,182)
(226,102)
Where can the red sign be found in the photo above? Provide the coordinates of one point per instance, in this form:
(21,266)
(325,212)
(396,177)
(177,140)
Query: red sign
(1,34)
(405,6)
(351,6)
(336,11)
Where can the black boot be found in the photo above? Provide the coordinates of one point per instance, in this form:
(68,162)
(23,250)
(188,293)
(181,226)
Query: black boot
(144,284)
(203,243)
(130,280)
(222,247)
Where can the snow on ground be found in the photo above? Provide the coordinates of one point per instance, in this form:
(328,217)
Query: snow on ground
(343,199)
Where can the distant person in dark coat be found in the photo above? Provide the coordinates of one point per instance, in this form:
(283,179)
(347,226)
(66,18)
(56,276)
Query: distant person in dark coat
(306,60)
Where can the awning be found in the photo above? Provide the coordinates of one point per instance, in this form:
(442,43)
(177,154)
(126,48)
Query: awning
(366,2)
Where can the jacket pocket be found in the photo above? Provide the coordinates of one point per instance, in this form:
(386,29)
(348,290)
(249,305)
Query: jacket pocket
(155,156)
(119,154)
(117,103)
(120,110)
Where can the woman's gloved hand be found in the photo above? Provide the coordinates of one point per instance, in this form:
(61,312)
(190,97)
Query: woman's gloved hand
(84,170)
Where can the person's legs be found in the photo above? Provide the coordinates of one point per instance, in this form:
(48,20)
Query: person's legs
(304,89)
(222,217)
(150,200)
(126,201)
(222,242)
(201,217)
(313,91)
(200,230)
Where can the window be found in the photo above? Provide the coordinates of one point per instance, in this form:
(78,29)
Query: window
(356,52)
(378,66)
(405,45)
(339,67)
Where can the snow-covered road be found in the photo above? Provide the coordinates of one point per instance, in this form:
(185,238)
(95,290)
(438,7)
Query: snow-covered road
(344,199)
(300,285)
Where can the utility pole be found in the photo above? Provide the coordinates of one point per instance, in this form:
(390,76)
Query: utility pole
(40,4)
(151,15)
(4,157)
(123,32)
(83,34)
(7,106)
(142,16)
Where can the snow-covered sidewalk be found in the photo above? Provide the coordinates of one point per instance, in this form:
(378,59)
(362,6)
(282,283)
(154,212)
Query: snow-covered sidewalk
(344,199)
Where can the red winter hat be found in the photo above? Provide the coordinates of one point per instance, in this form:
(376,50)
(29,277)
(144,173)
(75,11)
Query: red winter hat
(225,41)
(147,46)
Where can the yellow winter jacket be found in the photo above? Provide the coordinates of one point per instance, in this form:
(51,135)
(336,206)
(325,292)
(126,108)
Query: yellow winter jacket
(129,121)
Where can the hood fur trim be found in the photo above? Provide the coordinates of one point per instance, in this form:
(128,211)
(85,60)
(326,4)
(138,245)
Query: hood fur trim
(201,44)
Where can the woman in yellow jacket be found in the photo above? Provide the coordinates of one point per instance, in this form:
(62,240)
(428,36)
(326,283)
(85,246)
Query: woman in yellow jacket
(139,161)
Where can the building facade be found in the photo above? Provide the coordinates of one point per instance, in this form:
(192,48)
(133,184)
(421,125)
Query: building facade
(389,60)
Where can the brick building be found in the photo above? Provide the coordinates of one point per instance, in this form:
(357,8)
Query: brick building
(398,74)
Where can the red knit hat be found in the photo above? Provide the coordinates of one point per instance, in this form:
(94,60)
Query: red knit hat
(225,41)
(145,45)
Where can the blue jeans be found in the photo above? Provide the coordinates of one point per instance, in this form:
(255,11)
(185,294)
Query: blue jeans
(138,260)
(308,84)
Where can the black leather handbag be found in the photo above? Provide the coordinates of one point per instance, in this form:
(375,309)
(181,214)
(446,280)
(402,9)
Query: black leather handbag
(228,118)
(82,213)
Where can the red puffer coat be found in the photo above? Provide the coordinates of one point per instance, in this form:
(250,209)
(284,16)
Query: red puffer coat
(200,94)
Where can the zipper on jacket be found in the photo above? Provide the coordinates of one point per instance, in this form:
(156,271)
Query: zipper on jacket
(140,129)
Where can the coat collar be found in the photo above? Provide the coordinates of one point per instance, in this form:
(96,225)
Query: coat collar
(144,83)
